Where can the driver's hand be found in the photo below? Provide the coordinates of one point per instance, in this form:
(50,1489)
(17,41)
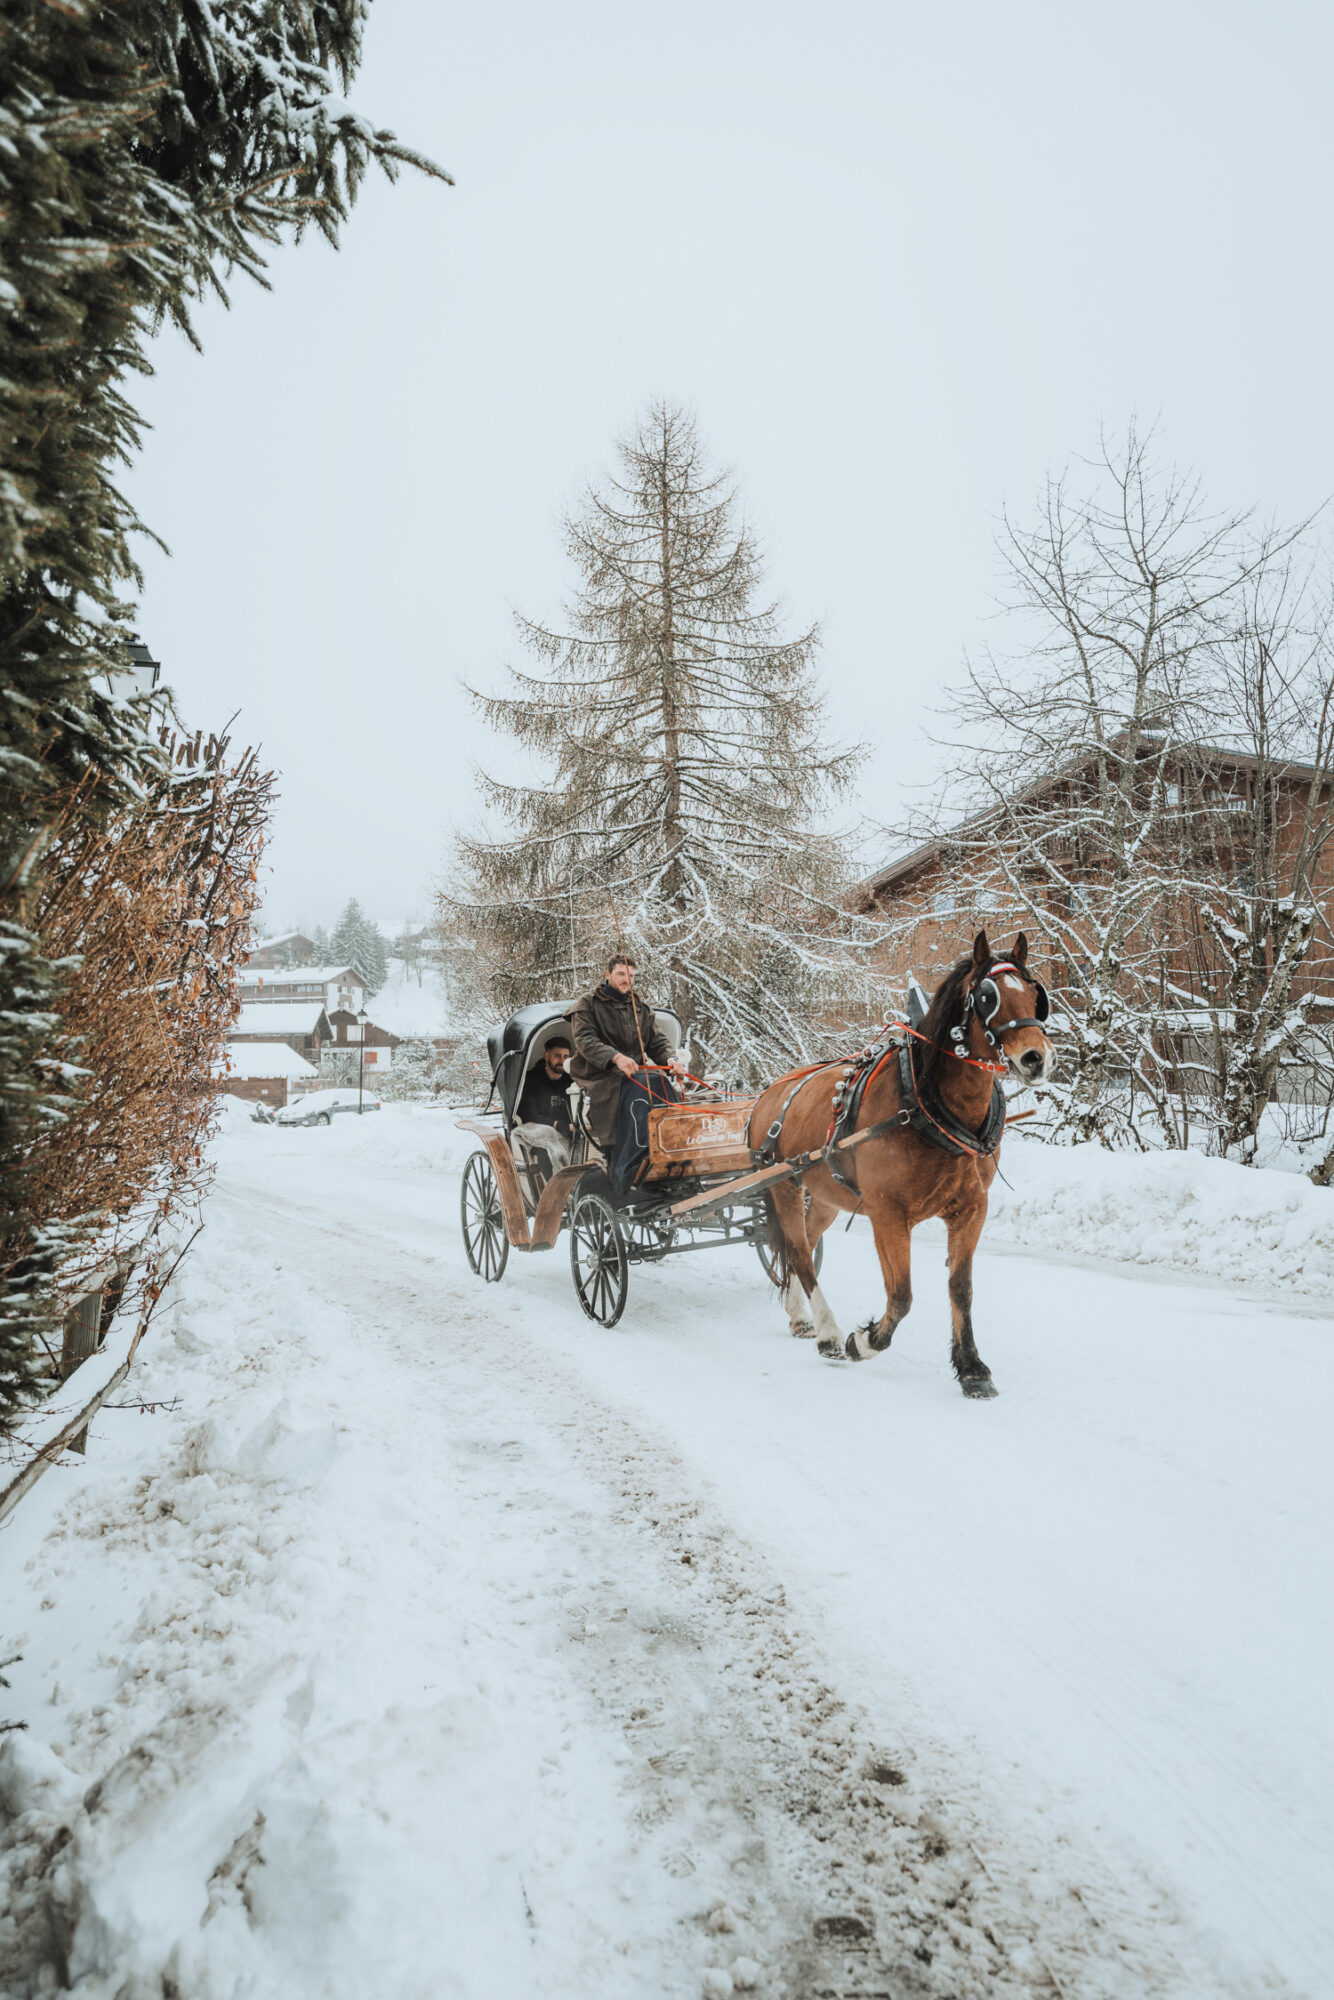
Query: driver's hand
(625,1064)
(677,1067)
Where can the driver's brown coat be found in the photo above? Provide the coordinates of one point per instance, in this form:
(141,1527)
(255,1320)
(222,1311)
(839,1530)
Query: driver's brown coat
(606,1024)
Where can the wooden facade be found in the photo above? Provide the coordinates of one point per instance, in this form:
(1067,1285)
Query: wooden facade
(935,901)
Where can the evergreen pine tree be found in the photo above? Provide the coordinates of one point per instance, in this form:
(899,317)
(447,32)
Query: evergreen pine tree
(687,778)
(356,940)
(147,149)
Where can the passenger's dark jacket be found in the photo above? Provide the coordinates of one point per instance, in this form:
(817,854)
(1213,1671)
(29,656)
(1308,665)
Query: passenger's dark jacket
(544,1102)
(604,1026)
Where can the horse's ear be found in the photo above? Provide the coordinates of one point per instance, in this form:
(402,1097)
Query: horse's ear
(1020,952)
(981,952)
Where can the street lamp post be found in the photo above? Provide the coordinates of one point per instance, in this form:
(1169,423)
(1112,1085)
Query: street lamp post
(362,1018)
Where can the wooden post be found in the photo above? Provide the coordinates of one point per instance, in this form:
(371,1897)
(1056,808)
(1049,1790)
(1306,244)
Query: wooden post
(83,1328)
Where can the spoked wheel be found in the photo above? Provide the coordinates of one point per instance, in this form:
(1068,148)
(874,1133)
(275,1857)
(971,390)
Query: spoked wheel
(766,1257)
(598,1263)
(483,1219)
(647,1240)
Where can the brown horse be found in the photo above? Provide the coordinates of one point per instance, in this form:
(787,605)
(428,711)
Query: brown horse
(988,1012)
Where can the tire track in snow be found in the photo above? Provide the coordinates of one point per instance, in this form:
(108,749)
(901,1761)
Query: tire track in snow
(856,1876)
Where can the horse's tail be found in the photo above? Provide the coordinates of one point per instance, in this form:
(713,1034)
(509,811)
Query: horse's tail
(780,1269)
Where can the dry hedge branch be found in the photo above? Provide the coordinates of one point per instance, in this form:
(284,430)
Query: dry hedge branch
(151,913)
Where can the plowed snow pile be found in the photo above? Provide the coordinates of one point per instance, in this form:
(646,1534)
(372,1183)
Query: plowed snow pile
(1171,1211)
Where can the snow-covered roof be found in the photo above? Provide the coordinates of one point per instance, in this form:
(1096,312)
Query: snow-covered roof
(279,1017)
(300,975)
(282,937)
(247,1059)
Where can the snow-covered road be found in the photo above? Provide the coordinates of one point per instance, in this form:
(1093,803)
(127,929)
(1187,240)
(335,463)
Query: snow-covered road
(443,1643)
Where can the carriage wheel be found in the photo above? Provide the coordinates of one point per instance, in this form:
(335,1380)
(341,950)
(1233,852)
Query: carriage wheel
(483,1219)
(766,1258)
(598,1263)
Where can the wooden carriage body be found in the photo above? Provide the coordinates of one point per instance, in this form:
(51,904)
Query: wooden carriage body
(700,1137)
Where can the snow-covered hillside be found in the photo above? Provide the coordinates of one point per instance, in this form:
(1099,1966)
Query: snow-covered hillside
(438,1642)
(411,1003)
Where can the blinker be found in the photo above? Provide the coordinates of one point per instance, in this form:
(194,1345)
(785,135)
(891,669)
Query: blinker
(986,998)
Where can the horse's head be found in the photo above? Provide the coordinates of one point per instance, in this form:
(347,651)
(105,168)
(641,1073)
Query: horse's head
(1011,1008)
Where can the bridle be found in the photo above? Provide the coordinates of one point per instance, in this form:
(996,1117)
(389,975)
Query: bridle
(984,1001)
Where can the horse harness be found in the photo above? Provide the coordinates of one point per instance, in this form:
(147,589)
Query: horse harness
(929,1119)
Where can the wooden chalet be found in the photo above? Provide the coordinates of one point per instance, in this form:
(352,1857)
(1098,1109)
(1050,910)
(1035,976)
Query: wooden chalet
(937,896)
(264,1072)
(347,1040)
(279,954)
(333,986)
(301,1026)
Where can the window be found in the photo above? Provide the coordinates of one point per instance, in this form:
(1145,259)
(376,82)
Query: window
(1172,794)
(986,899)
(943,906)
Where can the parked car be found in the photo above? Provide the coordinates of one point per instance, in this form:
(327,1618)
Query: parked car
(321,1107)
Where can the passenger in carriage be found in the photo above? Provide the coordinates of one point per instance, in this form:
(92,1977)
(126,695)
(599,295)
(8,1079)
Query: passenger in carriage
(545,1096)
(614,1035)
(542,1125)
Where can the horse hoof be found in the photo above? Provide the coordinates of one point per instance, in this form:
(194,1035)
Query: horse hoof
(980,1387)
(803,1329)
(851,1349)
(832,1350)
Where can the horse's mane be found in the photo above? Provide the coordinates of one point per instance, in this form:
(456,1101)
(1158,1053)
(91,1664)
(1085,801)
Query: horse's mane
(944,1013)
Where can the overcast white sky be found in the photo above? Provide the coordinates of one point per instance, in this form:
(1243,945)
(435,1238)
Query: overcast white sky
(901,259)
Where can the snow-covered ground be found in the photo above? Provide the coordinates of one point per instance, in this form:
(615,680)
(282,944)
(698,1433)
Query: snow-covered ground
(439,1643)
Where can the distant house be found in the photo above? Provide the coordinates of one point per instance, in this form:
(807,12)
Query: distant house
(303,1026)
(278,953)
(379,1043)
(264,1072)
(334,986)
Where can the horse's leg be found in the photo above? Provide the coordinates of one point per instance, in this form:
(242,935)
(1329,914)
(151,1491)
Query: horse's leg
(789,1203)
(794,1298)
(893,1240)
(972,1371)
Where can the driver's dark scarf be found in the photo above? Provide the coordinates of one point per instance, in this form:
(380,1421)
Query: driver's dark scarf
(629,1005)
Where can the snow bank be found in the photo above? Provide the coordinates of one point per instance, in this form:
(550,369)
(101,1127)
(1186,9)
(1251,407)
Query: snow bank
(1172,1211)
(417,1138)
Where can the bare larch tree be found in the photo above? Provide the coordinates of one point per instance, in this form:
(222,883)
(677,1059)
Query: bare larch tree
(686,777)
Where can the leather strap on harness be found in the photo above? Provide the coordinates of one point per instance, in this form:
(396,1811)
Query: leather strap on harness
(766,1153)
(939,1126)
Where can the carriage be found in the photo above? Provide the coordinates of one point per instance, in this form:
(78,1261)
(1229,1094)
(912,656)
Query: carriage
(931,1126)
(697,1190)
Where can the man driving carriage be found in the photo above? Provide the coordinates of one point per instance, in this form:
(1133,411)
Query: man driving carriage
(615,1036)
